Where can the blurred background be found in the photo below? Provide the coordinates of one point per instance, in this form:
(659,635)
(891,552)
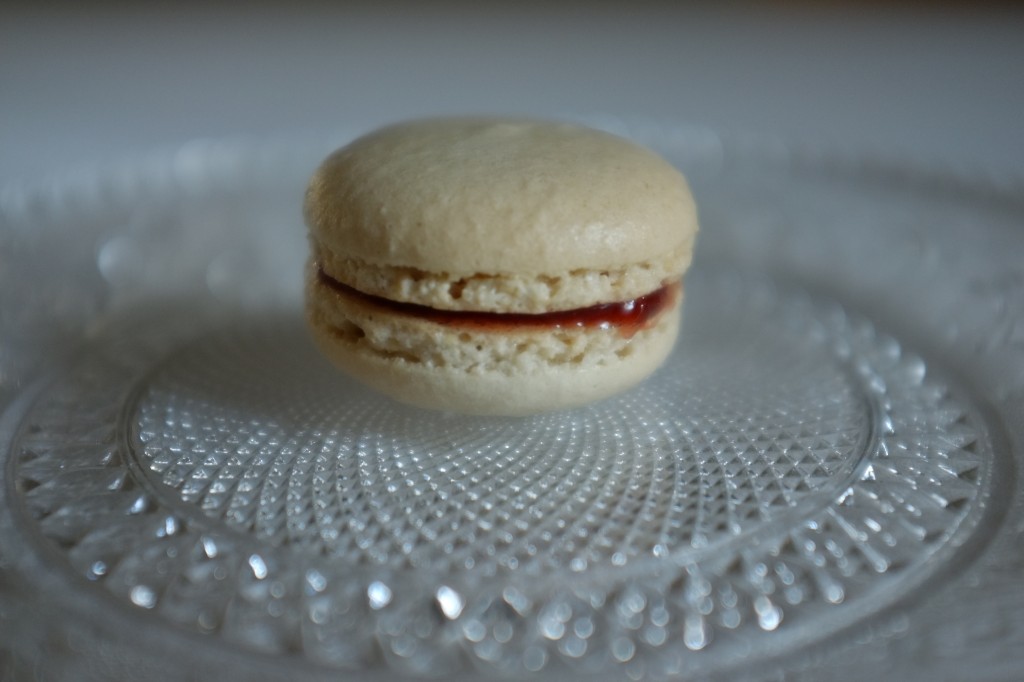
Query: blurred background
(84,84)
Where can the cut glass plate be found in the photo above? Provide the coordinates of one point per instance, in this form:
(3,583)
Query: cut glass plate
(821,482)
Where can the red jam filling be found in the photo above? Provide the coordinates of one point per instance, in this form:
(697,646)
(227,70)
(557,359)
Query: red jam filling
(628,317)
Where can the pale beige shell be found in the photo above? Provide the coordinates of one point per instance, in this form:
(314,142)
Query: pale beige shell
(462,369)
(472,200)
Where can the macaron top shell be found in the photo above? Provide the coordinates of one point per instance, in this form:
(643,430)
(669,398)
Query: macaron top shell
(496,196)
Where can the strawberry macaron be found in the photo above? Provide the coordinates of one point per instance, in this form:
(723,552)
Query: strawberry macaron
(497,266)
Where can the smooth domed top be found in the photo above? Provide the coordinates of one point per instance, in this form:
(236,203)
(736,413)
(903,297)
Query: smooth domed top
(499,196)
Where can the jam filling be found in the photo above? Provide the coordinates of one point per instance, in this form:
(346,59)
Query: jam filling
(628,317)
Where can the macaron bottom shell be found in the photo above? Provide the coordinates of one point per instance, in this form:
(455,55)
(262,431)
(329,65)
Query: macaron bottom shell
(498,372)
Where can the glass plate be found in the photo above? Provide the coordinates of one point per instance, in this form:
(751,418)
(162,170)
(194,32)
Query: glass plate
(820,483)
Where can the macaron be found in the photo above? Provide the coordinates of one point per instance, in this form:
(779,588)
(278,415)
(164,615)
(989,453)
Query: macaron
(496,266)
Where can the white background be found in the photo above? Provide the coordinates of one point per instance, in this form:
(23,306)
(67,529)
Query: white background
(82,86)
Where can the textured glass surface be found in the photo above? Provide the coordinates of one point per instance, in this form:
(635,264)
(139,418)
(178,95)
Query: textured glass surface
(820,482)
